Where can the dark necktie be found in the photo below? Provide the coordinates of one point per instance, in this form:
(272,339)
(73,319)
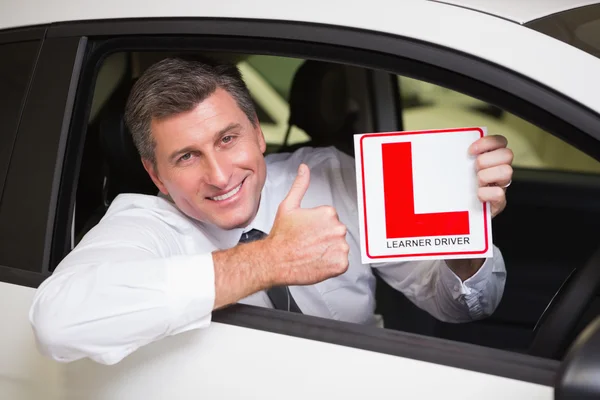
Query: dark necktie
(280,295)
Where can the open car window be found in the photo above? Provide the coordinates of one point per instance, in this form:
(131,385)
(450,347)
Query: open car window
(421,105)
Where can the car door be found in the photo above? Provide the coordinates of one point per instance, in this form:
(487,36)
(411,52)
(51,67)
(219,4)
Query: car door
(247,352)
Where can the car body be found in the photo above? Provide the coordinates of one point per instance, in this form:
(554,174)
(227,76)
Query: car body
(63,68)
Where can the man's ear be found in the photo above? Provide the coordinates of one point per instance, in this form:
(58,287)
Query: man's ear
(151,170)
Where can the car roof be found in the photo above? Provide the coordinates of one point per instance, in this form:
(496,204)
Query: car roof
(520,11)
(39,12)
(491,38)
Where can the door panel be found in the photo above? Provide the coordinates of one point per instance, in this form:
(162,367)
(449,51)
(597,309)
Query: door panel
(25,374)
(235,358)
(233,362)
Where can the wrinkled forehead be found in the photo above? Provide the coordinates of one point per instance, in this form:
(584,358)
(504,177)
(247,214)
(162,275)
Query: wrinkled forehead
(218,114)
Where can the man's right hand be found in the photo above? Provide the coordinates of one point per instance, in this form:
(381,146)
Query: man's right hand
(306,245)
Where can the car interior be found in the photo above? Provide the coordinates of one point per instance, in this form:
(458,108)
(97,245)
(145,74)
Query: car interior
(545,233)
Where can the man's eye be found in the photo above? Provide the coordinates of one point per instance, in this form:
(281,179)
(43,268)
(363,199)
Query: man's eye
(185,157)
(227,139)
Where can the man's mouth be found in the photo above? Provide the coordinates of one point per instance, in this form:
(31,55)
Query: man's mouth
(227,195)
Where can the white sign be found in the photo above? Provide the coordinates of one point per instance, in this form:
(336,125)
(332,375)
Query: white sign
(417,196)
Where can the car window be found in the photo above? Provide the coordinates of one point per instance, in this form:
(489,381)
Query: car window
(15,72)
(110,165)
(27,212)
(579,27)
(429,106)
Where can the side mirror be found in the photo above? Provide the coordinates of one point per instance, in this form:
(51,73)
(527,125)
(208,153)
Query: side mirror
(579,375)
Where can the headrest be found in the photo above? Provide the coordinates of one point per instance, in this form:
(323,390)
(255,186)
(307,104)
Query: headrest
(319,100)
(125,172)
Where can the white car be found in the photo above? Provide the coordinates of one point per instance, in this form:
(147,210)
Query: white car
(527,70)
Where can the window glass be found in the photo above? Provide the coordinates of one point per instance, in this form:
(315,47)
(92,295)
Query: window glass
(17,61)
(428,106)
(579,27)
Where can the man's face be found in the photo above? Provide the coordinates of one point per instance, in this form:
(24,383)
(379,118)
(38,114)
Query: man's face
(210,162)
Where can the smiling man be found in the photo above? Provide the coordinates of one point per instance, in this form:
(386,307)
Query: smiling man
(230,159)
(231,225)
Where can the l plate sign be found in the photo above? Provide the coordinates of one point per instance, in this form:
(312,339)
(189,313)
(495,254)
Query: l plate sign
(417,196)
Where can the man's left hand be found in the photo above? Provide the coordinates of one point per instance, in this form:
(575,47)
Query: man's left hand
(494,171)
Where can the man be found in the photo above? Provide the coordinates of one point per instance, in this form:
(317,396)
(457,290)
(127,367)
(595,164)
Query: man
(233,226)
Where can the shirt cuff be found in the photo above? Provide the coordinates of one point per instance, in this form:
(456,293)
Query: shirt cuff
(191,291)
(477,281)
(471,289)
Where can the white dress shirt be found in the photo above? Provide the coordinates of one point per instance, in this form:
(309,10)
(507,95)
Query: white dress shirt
(146,270)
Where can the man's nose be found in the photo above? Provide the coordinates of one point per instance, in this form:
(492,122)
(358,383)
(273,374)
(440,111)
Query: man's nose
(218,171)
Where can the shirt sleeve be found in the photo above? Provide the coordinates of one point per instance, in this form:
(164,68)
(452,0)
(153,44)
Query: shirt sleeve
(430,284)
(117,291)
(433,287)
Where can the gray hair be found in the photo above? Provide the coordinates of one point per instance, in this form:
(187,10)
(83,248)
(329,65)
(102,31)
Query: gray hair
(175,85)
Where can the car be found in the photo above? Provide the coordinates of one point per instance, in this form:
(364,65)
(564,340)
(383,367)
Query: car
(524,70)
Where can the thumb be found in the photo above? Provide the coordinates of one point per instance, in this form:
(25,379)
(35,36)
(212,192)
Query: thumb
(298,189)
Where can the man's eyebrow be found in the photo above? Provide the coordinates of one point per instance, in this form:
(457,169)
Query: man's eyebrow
(228,128)
(189,149)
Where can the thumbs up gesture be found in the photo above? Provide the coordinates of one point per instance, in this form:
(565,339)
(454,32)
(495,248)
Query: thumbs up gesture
(306,245)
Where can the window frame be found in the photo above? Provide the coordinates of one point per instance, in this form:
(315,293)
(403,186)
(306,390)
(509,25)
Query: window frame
(478,78)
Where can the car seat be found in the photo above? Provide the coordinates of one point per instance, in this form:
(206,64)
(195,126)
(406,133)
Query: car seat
(122,170)
(319,104)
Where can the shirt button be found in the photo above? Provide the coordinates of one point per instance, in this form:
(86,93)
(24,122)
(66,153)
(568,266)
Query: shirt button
(456,288)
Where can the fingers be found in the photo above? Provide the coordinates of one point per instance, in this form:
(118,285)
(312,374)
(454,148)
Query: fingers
(494,171)
(494,158)
(488,143)
(298,189)
(327,212)
(336,232)
(338,257)
(495,196)
(499,175)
